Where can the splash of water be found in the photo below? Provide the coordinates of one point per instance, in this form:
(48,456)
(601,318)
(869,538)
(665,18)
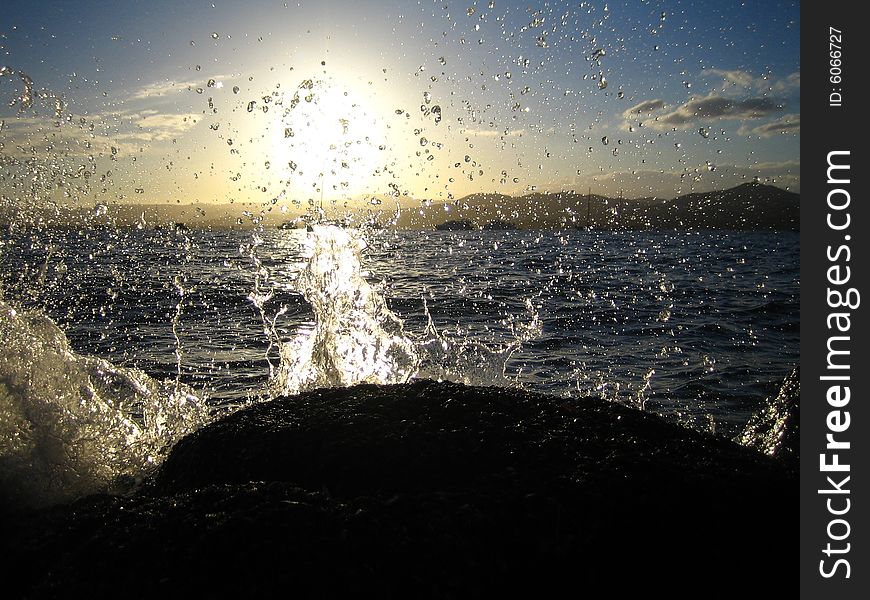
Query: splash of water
(73,425)
(457,357)
(355,338)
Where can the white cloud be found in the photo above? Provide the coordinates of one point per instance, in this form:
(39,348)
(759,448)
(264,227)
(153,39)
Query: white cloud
(166,87)
(703,109)
(645,107)
(737,80)
(787,124)
(494,132)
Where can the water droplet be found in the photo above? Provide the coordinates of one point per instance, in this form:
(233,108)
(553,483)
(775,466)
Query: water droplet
(251,105)
(229,141)
(491,4)
(604,140)
(602,82)
(423,141)
(215,35)
(705,133)
(210,83)
(442,60)
(427,97)
(471,10)
(235,89)
(678,145)
(620,94)
(288,132)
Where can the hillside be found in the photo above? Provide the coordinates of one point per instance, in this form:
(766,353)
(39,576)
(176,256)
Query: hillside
(750,206)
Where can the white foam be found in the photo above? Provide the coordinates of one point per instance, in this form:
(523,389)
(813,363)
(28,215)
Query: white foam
(355,337)
(72,425)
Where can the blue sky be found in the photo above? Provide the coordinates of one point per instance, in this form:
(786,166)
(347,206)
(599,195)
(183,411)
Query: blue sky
(715,88)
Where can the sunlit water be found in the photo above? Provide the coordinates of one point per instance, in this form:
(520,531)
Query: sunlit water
(698,327)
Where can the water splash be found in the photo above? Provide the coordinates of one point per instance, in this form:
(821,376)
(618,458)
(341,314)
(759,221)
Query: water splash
(73,425)
(456,356)
(262,291)
(355,337)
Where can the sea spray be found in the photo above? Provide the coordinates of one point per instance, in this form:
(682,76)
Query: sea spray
(355,338)
(458,357)
(73,425)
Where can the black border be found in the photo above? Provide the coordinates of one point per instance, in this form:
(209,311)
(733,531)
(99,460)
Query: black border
(827,128)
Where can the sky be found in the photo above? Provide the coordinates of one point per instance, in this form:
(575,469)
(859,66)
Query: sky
(285,103)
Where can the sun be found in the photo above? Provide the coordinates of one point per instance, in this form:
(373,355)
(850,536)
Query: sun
(328,141)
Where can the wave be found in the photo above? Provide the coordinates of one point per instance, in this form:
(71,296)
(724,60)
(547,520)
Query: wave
(356,338)
(73,425)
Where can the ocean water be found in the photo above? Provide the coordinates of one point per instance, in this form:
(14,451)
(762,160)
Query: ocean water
(168,328)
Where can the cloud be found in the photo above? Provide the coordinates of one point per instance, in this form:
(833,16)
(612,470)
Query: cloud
(163,88)
(166,126)
(34,137)
(710,108)
(741,80)
(158,89)
(647,106)
(116,133)
(792,82)
(494,132)
(733,78)
(669,184)
(785,124)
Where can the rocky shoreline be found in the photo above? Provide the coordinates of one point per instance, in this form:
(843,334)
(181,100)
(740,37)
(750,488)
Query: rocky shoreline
(432,490)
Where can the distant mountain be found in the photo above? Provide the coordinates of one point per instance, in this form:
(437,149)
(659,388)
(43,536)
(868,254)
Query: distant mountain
(747,206)
(751,206)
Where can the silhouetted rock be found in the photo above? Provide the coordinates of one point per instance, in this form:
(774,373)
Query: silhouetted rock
(426,490)
(775,429)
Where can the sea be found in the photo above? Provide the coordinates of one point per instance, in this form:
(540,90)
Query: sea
(165,329)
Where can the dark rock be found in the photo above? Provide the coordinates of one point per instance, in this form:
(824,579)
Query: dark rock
(775,429)
(426,490)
